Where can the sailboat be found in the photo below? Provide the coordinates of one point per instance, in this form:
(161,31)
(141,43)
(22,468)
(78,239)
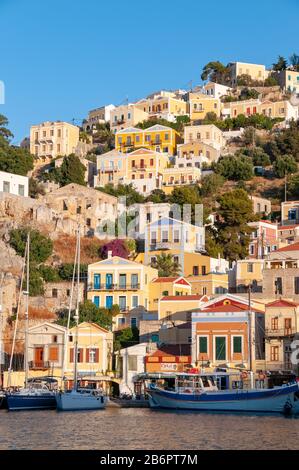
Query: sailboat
(79,398)
(35,395)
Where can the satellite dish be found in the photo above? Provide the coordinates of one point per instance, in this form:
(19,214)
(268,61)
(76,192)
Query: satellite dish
(294,100)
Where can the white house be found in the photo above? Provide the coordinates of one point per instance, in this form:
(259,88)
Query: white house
(215,90)
(14,184)
(131,362)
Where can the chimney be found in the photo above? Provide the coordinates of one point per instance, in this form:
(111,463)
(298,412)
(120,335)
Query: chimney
(109,254)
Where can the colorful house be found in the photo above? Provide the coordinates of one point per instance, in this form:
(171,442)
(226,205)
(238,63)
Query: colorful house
(201,104)
(118,281)
(169,358)
(164,286)
(157,138)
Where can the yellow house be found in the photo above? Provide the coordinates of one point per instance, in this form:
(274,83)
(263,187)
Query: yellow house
(51,139)
(205,133)
(249,272)
(164,286)
(257,72)
(158,138)
(175,307)
(162,106)
(209,284)
(200,105)
(126,116)
(141,168)
(118,281)
(198,152)
(95,350)
(176,176)
(274,109)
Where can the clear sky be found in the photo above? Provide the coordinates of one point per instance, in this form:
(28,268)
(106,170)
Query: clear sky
(60,58)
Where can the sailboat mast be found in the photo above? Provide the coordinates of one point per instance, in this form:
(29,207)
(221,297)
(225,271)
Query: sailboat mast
(250,336)
(77,313)
(26,358)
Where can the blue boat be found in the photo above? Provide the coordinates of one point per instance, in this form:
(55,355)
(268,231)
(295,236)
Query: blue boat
(202,393)
(37,396)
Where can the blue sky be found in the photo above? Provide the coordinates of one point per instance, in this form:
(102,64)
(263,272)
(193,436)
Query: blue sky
(59,59)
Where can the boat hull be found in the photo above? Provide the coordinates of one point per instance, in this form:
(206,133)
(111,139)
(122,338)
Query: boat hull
(282,400)
(29,402)
(76,401)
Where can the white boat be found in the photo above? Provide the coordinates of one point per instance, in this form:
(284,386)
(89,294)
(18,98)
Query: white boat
(79,398)
(201,393)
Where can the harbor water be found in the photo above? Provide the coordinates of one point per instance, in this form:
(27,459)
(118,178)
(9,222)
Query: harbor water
(130,429)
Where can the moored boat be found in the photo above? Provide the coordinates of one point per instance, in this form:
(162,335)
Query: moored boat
(35,397)
(201,393)
(80,399)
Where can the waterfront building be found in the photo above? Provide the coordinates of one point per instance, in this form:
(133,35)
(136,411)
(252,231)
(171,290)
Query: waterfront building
(122,282)
(51,139)
(46,347)
(169,358)
(281,328)
(130,362)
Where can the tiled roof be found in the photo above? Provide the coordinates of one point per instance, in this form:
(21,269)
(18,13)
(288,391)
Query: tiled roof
(182,297)
(165,279)
(282,303)
(129,130)
(293,247)
(157,127)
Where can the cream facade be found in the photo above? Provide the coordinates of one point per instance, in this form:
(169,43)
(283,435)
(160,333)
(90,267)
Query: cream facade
(125,116)
(288,80)
(206,133)
(201,104)
(255,71)
(51,139)
(14,184)
(97,116)
(161,106)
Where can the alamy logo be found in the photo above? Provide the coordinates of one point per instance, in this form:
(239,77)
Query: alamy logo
(2,92)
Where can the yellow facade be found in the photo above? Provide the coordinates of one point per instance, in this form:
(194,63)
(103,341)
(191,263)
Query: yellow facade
(209,284)
(118,281)
(51,139)
(163,105)
(196,149)
(205,133)
(174,177)
(178,307)
(201,105)
(274,109)
(157,138)
(257,72)
(164,286)
(249,272)
(126,116)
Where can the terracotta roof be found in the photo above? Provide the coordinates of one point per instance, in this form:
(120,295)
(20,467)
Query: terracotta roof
(165,279)
(173,350)
(287,227)
(183,297)
(282,303)
(292,247)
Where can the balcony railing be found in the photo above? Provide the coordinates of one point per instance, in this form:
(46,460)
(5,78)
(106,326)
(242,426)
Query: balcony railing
(113,287)
(280,332)
(39,365)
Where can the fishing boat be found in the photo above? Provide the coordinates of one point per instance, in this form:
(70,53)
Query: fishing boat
(35,395)
(202,392)
(78,398)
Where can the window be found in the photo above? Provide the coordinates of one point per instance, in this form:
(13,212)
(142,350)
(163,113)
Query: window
(204,291)
(92,355)
(195,271)
(250,267)
(287,326)
(122,302)
(121,321)
(165,293)
(133,322)
(278,285)
(237,344)
(137,138)
(274,353)
(203,344)
(155,338)
(6,186)
(164,236)
(203,270)
(122,281)
(54,339)
(96,300)
(59,133)
(220,348)
(132,363)
(274,323)
(134,301)
(70,338)
(166,136)
(176,236)
(151,162)
(58,148)
(296,282)
(134,281)
(53,353)
(147,138)
(54,293)
(21,190)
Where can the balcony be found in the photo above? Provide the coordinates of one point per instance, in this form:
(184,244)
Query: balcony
(161,245)
(39,365)
(113,287)
(280,332)
(141,168)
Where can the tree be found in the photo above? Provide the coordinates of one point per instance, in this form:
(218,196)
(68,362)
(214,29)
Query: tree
(127,190)
(249,136)
(285,165)
(216,72)
(48,273)
(285,143)
(293,186)
(294,61)
(104,135)
(185,195)
(211,184)
(66,271)
(211,116)
(234,168)
(257,154)
(41,247)
(4,132)
(71,171)
(88,312)
(166,265)
(281,64)
(249,94)
(125,338)
(15,159)
(271,81)
(117,247)
(35,188)
(157,196)
(233,233)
